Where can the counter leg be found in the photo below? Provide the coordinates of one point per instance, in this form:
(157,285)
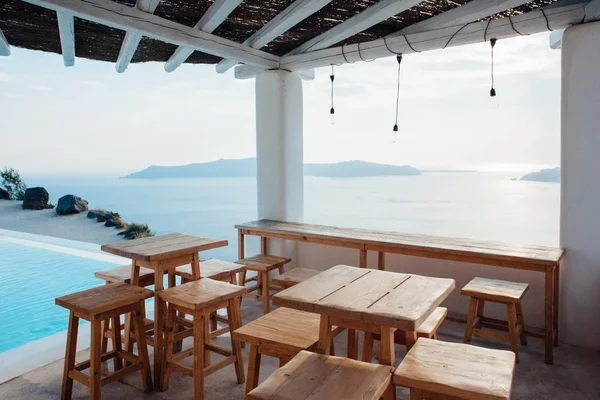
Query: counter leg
(556,304)
(159,315)
(549,316)
(363,259)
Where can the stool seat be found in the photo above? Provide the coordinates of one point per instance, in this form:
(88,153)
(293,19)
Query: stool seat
(458,370)
(263,263)
(430,326)
(122,274)
(92,302)
(294,276)
(285,328)
(495,290)
(200,294)
(319,377)
(213,269)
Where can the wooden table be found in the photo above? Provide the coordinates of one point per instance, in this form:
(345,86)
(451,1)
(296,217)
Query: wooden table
(162,254)
(545,260)
(367,300)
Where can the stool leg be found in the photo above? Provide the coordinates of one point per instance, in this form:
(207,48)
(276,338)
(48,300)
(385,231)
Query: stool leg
(352,344)
(470,320)
(105,330)
(512,329)
(332,347)
(198,375)
(265,292)
(367,351)
(281,269)
(116,344)
(521,322)
(253,368)
(70,352)
(213,321)
(480,309)
(168,355)
(390,392)
(233,311)
(138,322)
(416,394)
(206,332)
(95,359)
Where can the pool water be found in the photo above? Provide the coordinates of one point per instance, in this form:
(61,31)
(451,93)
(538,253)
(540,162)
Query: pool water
(31,277)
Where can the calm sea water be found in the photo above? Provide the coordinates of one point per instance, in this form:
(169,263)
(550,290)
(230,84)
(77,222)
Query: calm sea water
(480,205)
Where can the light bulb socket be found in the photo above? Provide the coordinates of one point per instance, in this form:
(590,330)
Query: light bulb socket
(395,128)
(492,92)
(332,77)
(331,111)
(399,58)
(493,42)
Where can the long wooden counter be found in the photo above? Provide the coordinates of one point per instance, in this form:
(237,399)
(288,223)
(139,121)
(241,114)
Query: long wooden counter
(533,258)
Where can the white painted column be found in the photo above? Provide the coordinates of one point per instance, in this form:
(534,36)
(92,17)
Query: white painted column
(580,187)
(279,150)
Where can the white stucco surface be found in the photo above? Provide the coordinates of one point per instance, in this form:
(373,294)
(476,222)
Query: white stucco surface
(580,188)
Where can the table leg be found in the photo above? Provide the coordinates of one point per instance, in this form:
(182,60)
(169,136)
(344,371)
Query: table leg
(135,280)
(196,266)
(240,245)
(556,304)
(549,316)
(410,338)
(363,258)
(263,246)
(159,314)
(388,353)
(352,344)
(324,332)
(381,261)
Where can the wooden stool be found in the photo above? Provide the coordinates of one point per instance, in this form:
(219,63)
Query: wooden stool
(433,370)
(320,377)
(510,293)
(282,334)
(122,274)
(200,298)
(97,305)
(428,329)
(262,265)
(294,277)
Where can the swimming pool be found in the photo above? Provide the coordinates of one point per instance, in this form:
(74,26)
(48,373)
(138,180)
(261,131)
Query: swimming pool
(34,271)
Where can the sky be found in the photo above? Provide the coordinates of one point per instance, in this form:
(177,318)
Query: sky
(88,119)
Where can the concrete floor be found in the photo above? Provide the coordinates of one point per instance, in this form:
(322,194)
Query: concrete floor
(573,376)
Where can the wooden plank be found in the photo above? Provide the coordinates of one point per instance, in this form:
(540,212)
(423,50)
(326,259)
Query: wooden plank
(399,243)
(457,370)
(373,15)
(560,16)
(66,30)
(284,21)
(4,46)
(212,18)
(314,376)
(104,298)
(115,15)
(294,276)
(200,294)
(132,39)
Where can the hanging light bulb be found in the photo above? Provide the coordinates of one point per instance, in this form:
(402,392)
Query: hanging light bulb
(492,90)
(332,110)
(395,129)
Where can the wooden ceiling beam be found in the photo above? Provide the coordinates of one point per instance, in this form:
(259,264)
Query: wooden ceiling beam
(373,15)
(212,18)
(132,39)
(119,16)
(4,46)
(66,30)
(295,13)
(469,12)
(558,16)
(592,11)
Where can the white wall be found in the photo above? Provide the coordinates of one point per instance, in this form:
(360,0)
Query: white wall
(279,150)
(580,187)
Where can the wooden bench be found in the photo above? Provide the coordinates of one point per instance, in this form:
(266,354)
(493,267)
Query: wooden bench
(262,264)
(294,277)
(544,260)
(282,334)
(428,329)
(433,369)
(320,377)
(98,305)
(509,293)
(200,298)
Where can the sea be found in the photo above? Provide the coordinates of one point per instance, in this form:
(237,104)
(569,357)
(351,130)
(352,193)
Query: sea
(476,205)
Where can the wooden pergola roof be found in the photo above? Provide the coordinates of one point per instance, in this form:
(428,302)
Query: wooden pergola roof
(270,34)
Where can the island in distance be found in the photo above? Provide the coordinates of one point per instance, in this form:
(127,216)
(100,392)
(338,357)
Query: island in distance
(545,175)
(246,167)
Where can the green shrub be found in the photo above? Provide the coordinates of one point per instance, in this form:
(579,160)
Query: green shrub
(136,231)
(12,183)
(49,206)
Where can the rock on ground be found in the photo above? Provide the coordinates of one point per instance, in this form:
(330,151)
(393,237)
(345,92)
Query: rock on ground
(71,204)
(4,195)
(36,199)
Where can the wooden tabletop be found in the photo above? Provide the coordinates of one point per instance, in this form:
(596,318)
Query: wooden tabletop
(382,298)
(163,247)
(402,243)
